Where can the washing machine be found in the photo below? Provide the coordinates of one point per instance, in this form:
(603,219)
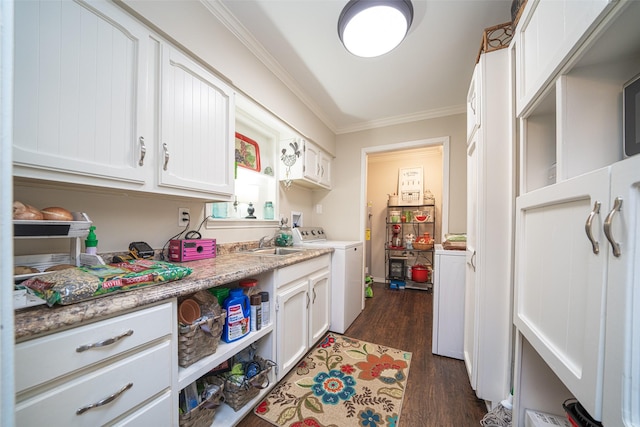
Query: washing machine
(347,274)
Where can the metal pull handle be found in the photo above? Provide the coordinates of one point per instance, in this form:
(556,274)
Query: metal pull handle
(615,246)
(308,299)
(472,102)
(314,295)
(143,151)
(473,264)
(166,155)
(104,343)
(589,229)
(104,401)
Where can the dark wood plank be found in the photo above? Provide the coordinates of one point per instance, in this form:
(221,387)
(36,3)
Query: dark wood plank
(438,391)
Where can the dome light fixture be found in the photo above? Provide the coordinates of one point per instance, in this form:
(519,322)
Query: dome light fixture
(370,28)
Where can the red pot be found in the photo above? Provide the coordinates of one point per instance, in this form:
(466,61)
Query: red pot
(419,273)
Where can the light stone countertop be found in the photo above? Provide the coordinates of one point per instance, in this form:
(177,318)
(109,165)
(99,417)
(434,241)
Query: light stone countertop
(208,273)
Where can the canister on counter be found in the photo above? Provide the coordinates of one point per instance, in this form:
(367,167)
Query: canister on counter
(265,308)
(256,312)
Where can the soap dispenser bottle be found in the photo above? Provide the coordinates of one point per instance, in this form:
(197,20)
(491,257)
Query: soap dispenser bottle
(91,242)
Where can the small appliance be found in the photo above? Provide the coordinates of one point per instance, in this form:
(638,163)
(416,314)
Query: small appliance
(191,249)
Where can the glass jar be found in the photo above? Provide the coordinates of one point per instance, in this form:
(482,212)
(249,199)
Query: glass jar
(268,210)
(284,236)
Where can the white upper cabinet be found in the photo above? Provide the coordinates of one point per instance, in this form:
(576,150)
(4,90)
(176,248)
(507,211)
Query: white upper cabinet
(80,90)
(197,117)
(548,32)
(473,103)
(305,163)
(101,100)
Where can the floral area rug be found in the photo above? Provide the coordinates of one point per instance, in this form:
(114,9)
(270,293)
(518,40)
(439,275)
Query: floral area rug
(342,382)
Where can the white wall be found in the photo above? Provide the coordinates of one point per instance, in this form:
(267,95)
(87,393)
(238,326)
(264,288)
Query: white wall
(382,179)
(343,206)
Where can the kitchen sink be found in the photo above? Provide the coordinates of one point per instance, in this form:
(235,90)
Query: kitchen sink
(275,251)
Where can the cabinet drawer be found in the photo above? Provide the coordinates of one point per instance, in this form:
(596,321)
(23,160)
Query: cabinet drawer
(293,272)
(156,413)
(44,359)
(148,372)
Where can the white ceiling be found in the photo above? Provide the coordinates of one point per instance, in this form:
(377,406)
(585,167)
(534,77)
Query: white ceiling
(426,76)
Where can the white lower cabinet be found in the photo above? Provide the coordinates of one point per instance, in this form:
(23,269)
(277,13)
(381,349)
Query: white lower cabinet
(622,337)
(99,373)
(302,309)
(576,295)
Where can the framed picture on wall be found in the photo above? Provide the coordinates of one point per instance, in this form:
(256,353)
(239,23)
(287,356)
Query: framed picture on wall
(247,152)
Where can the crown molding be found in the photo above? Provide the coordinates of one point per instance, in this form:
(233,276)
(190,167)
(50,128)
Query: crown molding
(403,119)
(222,13)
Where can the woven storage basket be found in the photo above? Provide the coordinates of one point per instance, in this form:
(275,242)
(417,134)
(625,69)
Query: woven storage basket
(422,246)
(200,339)
(202,415)
(236,395)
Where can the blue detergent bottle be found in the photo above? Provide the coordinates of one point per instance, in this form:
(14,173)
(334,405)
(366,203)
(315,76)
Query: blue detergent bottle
(237,323)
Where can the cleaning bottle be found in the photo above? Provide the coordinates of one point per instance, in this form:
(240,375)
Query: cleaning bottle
(237,323)
(91,242)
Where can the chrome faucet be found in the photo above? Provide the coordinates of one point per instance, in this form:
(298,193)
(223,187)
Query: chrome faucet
(264,240)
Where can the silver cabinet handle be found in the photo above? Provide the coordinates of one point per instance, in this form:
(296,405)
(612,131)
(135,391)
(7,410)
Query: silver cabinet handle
(472,102)
(143,151)
(308,299)
(589,229)
(314,295)
(104,401)
(473,264)
(104,343)
(615,246)
(166,155)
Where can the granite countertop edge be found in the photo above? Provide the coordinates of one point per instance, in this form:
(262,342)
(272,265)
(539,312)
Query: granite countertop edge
(224,269)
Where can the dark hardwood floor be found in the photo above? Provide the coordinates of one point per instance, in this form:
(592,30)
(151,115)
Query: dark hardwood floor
(438,393)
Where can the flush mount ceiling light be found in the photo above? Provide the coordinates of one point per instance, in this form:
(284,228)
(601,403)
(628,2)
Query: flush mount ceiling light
(369,28)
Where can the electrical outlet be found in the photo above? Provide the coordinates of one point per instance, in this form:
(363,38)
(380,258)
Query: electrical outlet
(183,217)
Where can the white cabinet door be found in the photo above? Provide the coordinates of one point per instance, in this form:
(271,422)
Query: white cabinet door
(80,90)
(196,146)
(473,103)
(560,280)
(292,325)
(324,169)
(548,33)
(311,161)
(320,314)
(622,349)
(470,347)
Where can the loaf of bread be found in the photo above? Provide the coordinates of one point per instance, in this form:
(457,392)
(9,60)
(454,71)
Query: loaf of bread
(26,212)
(23,269)
(55,213)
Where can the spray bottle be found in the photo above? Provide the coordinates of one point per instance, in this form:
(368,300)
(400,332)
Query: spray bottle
(91,242)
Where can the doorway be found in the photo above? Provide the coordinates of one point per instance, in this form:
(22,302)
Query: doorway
(380,166)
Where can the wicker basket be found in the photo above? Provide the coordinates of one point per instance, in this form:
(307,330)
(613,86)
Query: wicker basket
(423,246)
(202,415)
(236,395)
(200,339)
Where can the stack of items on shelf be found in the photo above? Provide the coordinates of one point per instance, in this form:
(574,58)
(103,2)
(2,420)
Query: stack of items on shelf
(201,321)
(455,242)
(248,375)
